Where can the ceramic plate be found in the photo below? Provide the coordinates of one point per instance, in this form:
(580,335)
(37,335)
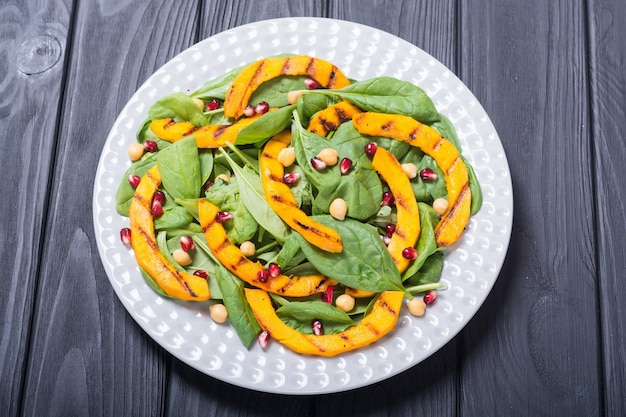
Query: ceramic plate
(471,265)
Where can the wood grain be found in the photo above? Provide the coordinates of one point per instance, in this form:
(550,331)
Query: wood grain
(608,92)
(532,349)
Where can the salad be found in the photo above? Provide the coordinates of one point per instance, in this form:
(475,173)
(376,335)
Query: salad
(301,205)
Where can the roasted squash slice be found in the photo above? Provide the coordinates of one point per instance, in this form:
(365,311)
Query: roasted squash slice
(279,197)
(175,283)
(255,74)
(380,321)
(409,130)
(236,262)
(329,119)
(211,136)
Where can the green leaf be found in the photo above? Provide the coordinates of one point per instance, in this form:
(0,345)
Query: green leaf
(266,126)
(217,87)
(429,273)
(436,188)
(300,314)
(309,104)
(227,196)
(364,262)
(446,129)
(174,217)
(178,106)
(152,284)
(477,193)
(179,167)
(426,243)
(274,92)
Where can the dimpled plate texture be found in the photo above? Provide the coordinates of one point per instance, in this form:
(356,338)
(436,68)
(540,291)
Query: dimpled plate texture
(471,266)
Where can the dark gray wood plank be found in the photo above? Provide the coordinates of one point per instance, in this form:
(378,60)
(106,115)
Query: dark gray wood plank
(87,356)
(32,46)
(608,87)
(532,349)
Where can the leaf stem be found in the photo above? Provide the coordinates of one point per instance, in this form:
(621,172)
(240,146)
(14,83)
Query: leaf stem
(416,289)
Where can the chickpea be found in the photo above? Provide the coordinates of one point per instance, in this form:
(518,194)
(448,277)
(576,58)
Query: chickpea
(440,206)
(417,307)
(293,96)
(199,103)
(223,177)
(247,248)
(345,302)
(338,208)
(330,156)
(410,170)
(218,313)
(287,156)
(135,151)
(181,257)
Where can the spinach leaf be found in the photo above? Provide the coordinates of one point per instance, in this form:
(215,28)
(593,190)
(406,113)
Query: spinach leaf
(289,252)
(426,243)
(178,106)
(274,92)
(125,192)
(227,196)
(266,126)
(239,310)
(217,87)
(477,193)
(363,263)
(429,273)
(309,104)
(206,164)
(299,315)
(179,166)
(174,217)
(155,287)
(436,188)
(446,129)
(302,189)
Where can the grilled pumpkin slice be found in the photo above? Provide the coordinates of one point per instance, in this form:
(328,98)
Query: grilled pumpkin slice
(409,130)
(255,74)
(175,283)
(281,200)
(329,119)
(236,262)
(380,321)
(211,136)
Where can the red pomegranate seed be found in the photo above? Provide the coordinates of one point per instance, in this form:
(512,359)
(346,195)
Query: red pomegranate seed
(345,166)
(409,253)
(187,244)
(318,164)
(151,146)
(134,180)
(249,111)
(156,209)
(274,269)
(223,216)
(159,196)
(207,185)
(125,236)
(388,199)
(370,149)
(214,104)
(318,328)
(263,275)
(428,174)
(201,273)
(264,338)
(430,297)
(327,296)
(389,229)
(291,178)
(311,84)
(262,108)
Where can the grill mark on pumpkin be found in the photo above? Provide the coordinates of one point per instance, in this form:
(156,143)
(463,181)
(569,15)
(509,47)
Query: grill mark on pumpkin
(279,199)
(219,131)
(142,201)
(438,144)
(285,69)
(310,68)
(453,165)
(226,243)
(449,214)
(387,125)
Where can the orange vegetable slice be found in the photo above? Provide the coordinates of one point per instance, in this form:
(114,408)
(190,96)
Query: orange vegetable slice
(236,262)
(175,283)
(379,322)
(329,119)
(255,74)
(279,197)
(409,130)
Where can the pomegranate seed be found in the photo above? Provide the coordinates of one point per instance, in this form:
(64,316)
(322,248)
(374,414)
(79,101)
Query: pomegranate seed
(327,296)
(409,253)
(388,199)
(291,178)
(125,236)
(370,149)
(214,104)
(201,273)
(249,111)
(151,146)
(274,269)
(430,297)
(262,108)
(263,339)
(156,209)
(311,84)
(134,180)
(223,216)
(428,174)
(207,185)
(345,166)
(263,275)
(318,164)
(187,244)
(318,328)
(159,196)
(389,229)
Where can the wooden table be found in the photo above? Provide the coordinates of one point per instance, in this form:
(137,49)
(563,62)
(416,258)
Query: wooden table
(550,338)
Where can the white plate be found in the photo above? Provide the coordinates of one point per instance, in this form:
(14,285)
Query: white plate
(471,266)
